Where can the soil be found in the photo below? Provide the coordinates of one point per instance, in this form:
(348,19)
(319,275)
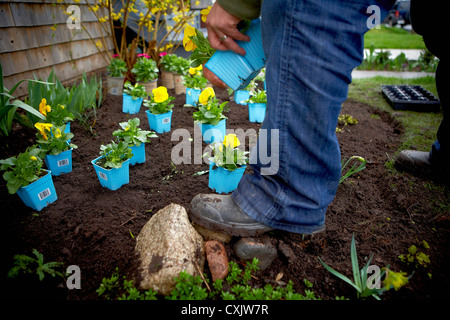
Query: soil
(95,228)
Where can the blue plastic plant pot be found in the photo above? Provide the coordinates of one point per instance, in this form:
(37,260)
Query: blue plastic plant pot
(131,106)
(59,164)
(114,178)
(256,112)
(160,123)
(138,154)
(240,96)
(192,96)
(215,133)
(231,68)
(222,180)
(40,193)
(254,52)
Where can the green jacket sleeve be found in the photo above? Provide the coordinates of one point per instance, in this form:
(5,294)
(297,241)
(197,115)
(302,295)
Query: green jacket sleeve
(244,9)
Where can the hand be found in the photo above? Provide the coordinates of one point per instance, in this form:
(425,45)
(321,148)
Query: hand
(219,24)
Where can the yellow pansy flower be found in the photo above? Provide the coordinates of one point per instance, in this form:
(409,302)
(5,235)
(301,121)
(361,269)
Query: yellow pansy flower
(231,141)
(205,13)
(206,95)
(43,127)
(188,44)
(58,134)
(160,94)
(44,108)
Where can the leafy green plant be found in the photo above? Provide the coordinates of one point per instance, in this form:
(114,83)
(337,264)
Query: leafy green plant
(180,65)
(9,105)
(132,134)
(359,276)
(358,166)
(117,67)
(29,265)
(235,286)
(360,279)
(258,96)
(23,169)
(114,154)
(145,69)
(81,100)
(112,288)
(210,110)
(136,91)
(168,62)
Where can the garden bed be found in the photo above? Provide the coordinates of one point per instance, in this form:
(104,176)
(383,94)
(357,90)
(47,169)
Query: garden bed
(95,228)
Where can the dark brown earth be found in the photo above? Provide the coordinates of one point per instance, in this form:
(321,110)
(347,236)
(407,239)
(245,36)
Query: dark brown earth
(95,228)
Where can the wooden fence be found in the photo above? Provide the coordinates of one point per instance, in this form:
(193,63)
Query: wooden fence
(38,36)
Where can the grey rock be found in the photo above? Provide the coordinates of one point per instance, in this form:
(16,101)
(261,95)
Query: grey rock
(165,246)
(248,248)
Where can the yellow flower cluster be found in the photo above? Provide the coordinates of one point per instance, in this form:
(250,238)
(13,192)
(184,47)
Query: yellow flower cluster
(188,44)
(43,128)
(44,108)
(196,71)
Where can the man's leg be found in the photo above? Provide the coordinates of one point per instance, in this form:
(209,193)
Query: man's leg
(311,48)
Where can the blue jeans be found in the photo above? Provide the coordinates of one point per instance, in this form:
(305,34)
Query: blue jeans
(311,48)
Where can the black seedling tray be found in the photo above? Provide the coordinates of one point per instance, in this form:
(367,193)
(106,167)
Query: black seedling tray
(408,97)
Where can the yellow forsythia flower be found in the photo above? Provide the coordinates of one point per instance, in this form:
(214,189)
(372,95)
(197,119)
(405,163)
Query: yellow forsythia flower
(43,127)
(231,141)
(396,279)
(160,94)
(206,95)
(205,13)
(44,108)
(188,44)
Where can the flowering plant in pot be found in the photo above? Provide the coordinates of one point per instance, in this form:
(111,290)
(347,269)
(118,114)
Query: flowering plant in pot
(146,72)
(159,111)
(257,106)
(227,164)
(24,175)
(133,95)
(194,82)
(115,75)
(210,116)
(167,63)
(135,137)
(56,147)
(112,167)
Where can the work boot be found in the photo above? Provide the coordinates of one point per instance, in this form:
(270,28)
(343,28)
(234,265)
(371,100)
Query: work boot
(416,162)
(220,213)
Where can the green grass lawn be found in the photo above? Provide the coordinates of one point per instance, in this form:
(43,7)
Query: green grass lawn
(393,38)
(420,127)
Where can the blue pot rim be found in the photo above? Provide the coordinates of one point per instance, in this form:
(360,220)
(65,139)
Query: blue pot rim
(96,159)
